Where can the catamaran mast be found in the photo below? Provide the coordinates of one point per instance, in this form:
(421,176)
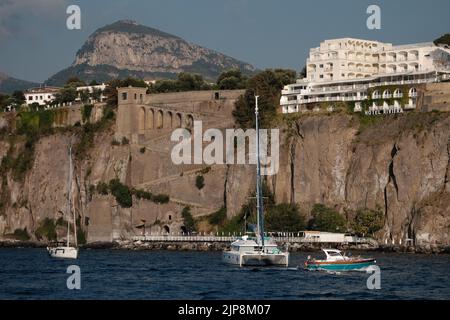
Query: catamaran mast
(259,204)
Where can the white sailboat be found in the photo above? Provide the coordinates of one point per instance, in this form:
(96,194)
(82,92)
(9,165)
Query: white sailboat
(67,251)
(261,251)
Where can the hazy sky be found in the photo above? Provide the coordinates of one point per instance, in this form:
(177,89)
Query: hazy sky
(35,43)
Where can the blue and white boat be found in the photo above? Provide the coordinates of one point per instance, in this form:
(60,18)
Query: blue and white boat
(336,261)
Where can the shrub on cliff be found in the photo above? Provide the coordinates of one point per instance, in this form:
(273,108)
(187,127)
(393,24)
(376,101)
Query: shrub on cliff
(102,188)
(368,221)
(24,160)
(199,182)
(46,229)
(86,112)
(326,219)
(121,192)
(188,220)
(21,234)
(218,217)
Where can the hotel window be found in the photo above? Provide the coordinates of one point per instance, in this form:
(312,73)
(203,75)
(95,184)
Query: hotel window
(135,96)
(30,98)
(321,76)
(124,96)
(49,97)
(40,97)
(321,66)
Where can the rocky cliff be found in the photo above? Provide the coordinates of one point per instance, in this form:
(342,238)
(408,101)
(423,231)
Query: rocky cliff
(126,48)
(400,164)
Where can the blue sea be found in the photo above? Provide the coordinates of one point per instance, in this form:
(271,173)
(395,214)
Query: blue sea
(120,274)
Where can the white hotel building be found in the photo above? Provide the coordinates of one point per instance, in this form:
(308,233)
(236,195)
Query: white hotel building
(351,70)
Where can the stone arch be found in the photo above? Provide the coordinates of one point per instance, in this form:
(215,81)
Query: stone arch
(159,119)
(169,122)
(413,92)
(189,121)
(150,118)
(183,230)
(178,121)
(141,120)
(166,229)
(387,94)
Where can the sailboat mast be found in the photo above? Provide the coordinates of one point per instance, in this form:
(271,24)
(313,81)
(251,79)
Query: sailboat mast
(259,204)
(68,198)
(70,201)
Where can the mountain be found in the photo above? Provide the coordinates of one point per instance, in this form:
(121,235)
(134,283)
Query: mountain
(126,48)
(9,84)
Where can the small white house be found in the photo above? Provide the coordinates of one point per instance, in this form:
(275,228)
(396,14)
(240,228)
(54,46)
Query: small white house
(41,95)
(91,89)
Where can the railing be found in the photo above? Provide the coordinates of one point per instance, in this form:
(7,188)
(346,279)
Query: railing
(288,238)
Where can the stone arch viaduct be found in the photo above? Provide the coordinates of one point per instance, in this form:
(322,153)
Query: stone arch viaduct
(142,115)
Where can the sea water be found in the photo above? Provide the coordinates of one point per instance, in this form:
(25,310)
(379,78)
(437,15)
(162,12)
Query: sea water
(120,274)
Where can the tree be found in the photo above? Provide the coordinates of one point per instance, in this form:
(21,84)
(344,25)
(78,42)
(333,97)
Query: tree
(66,94)
(284,217)
(326,219)
(75,82)
(93,83)
(190,82)
(445,39)
(267,84)
(84,96)
(96,95)
(303,73)
(368,221)
(231,80)
(18,98)
(5,101)
(199,182)
(188,220)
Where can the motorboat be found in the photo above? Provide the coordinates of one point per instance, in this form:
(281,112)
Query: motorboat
(336,261)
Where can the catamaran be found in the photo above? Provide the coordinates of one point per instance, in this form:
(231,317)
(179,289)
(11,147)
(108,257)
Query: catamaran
(67,251)
(262,251)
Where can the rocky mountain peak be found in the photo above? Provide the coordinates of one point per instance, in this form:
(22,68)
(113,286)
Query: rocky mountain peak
(127,48)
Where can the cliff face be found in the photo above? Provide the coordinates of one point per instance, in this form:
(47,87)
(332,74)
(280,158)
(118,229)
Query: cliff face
(126,48)
(400,165)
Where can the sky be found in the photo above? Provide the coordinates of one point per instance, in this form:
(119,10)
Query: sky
(35,42)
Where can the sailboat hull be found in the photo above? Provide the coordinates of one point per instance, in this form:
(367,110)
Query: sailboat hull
(63,252)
